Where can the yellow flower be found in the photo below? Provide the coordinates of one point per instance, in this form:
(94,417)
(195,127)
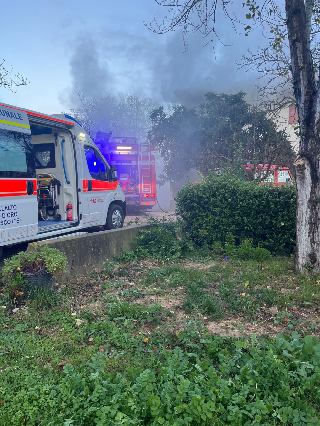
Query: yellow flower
(243,294)
(146,340)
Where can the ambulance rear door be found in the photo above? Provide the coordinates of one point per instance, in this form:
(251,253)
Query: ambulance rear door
(18,184)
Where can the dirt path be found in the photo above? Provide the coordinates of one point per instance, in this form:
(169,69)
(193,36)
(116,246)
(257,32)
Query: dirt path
(140,218)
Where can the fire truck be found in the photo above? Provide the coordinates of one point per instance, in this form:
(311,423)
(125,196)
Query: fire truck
(269,174)
(135,163)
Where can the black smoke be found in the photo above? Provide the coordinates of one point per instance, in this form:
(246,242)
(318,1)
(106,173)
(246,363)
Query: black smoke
(163,67)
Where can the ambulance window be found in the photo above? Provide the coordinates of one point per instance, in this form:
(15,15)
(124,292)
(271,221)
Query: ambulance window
(104,169)
(96,165)
(92,161)
(16,155)
(44,155)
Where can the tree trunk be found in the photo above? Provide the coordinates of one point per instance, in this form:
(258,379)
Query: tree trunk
(307,164)
(307,254)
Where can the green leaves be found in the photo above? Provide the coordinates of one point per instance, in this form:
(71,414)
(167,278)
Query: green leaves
(223,130)
(224,205)
(204,381)
(53,260)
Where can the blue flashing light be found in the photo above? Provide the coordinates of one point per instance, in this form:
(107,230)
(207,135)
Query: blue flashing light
(73,119)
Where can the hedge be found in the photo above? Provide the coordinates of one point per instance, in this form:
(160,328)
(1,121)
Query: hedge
(220,205)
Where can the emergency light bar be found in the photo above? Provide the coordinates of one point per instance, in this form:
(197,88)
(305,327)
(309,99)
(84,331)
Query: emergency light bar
(124,147)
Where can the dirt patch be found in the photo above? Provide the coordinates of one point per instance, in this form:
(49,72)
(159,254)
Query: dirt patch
(94,307)
(234,328)
(198,265)
(166,302)
(87,293)
(142,218)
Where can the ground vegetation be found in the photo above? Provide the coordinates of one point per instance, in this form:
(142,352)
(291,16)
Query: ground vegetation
(189,337)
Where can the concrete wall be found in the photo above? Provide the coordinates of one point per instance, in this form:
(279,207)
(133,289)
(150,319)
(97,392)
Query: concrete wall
(88,252)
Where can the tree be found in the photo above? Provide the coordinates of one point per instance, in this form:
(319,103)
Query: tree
(175,135)
(293,26)
(9,82)
(123,115)
(223,131)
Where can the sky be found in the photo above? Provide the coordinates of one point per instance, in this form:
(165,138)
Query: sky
(101,46)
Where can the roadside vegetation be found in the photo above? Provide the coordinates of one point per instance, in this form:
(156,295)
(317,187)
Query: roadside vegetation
(169,334)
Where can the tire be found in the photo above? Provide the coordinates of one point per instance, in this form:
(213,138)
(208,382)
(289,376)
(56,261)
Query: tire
(115,217)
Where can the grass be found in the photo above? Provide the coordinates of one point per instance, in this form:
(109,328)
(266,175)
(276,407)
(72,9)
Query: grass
(133,345)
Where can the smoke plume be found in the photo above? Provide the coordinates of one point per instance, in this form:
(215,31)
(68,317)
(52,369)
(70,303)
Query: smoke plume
(161,68)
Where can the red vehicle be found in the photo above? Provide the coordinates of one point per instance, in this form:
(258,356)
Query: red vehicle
(135,165)
(269,174)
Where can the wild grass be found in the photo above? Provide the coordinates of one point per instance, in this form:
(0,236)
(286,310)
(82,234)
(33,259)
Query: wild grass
(130,346)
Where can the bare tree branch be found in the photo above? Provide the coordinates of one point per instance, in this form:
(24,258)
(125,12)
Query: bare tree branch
(8,81)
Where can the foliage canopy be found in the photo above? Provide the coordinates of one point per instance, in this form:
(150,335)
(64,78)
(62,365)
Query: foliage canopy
(223,130)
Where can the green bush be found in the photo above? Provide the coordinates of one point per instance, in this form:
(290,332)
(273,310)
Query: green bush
(225,204)
(44,257)
(51,259)
(246,252)
(158,241)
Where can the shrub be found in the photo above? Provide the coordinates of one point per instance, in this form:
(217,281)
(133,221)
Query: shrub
(48,258)
(246,252)
(158,241)
(220,205)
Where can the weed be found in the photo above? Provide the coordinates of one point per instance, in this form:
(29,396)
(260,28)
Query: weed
(41,298)
(159,241)
(198,298)
(132,294)
(174,276)
(119,310)
(134,364)
(286,319)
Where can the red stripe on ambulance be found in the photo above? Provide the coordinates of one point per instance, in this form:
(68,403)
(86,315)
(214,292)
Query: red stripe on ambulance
(99,185)
(36,114)
(16,187)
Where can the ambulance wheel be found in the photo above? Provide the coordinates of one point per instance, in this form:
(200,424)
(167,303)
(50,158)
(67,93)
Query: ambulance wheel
(115,217)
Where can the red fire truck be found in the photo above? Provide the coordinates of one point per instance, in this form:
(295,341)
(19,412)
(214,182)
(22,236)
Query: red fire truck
(269,174)
(135,165)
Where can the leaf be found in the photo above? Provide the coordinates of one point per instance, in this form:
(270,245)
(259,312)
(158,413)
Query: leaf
(63,363)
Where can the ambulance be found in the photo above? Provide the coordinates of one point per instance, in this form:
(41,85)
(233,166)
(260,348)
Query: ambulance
(53,179)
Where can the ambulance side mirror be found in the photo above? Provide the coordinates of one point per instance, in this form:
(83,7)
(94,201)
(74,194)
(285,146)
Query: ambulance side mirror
(114,174)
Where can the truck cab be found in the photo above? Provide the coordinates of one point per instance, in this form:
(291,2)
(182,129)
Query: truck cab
(53,179)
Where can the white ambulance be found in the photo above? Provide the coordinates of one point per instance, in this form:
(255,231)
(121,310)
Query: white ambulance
(53,179)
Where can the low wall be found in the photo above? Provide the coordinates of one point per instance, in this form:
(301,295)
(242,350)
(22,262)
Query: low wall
(88,252)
